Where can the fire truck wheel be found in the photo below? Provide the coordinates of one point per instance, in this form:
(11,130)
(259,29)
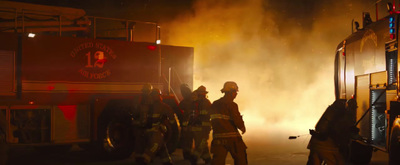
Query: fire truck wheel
(359,153)
(116,139)
(394,146)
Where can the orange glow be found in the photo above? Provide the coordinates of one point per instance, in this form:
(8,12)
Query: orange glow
(284,66)
(285,83)
(31,102)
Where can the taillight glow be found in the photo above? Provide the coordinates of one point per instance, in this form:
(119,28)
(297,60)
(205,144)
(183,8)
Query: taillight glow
(392,36)
(50,88)
(152,47)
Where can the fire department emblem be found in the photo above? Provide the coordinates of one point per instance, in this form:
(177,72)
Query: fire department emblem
(94,58)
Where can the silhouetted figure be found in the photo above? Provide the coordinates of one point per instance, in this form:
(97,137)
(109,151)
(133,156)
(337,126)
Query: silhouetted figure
(201,126)
(155,130)
(187,137)
(141,113)
(225,121)
(331,135)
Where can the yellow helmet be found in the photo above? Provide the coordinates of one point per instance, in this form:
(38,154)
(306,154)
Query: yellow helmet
(230,86)
(147,88)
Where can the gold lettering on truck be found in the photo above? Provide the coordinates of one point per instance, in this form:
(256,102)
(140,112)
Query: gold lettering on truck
(95,58)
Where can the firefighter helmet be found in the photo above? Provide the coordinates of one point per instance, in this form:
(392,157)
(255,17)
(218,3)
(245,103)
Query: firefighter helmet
(230,86)
(147,88)
(155,92)
(201,90)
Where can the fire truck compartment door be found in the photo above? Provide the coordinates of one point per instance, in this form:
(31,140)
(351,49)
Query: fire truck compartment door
(7,76)
(362,97)
(70,123)
(379,79)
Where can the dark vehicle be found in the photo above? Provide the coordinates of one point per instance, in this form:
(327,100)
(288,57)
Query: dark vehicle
(67,78)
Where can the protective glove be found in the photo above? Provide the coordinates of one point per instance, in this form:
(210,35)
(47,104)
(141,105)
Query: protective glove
(354,130)
(243,130)
(318,135)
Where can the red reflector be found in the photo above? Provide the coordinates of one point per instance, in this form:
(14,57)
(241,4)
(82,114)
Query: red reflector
(344,54)
(152,47)
(392,36)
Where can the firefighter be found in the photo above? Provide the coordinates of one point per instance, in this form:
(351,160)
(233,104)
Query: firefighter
(201,126)
(225,122)
(3,144)
(155,130)
(330,135)
(186,105)
(140,115)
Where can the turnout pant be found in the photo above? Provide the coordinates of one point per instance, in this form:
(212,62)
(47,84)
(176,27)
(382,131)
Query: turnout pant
(155,145)
(201,149)
(234,145)
(187,142)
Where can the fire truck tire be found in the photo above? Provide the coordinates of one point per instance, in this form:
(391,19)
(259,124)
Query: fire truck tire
(114,130)
(116,139)
(394,146)
(359,153)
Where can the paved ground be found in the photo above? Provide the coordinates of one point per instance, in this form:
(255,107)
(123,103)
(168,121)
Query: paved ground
(286,153)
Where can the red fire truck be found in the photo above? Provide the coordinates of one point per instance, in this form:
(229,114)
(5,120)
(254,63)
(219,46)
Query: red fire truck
(68,78)
(367,68)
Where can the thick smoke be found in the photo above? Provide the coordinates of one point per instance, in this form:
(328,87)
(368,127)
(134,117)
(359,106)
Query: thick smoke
(280,54)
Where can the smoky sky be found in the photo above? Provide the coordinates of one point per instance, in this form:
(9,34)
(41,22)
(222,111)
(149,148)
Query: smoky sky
(280,53)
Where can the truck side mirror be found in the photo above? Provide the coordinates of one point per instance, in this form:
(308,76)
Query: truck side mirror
(357,25)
